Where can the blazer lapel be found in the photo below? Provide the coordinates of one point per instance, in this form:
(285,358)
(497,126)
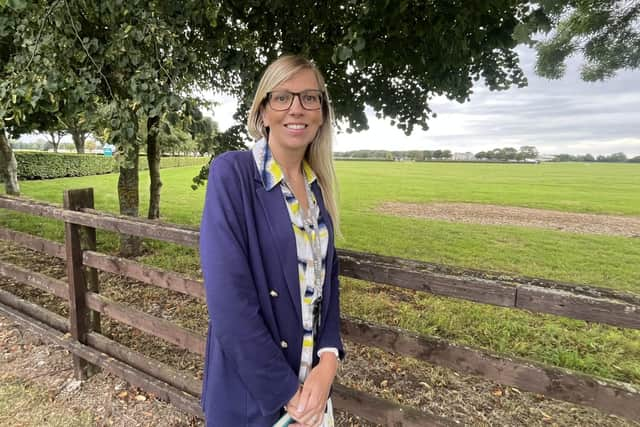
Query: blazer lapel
(277,218)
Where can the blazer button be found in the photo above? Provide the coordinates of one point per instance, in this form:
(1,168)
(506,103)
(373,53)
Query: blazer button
(273,293)
(284,344)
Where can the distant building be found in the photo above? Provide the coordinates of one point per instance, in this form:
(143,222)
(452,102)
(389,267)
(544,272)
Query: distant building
(546,157)
(464,156)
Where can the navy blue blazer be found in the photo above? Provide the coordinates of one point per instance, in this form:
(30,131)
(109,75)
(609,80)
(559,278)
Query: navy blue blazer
(249,261)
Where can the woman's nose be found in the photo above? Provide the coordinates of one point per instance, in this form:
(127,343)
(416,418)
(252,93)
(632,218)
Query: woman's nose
(296,105)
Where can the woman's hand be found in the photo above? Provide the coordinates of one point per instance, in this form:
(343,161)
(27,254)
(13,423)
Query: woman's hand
(308,404)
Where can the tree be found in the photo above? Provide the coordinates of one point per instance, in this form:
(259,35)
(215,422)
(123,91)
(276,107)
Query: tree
(30,99)
(8,166)
(55,136)
(140,58)
(563,158)
(391,56)
(605,33)
(617,157)
(529,152)
(136,58)
(509,153)
(204,133)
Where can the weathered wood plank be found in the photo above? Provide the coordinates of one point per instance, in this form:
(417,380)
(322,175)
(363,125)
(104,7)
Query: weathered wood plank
(88,241)
(152,229)
(577,302)
(35,280)
(563,303)
(39,244)
(159,370)
(152,325)
(412,275)
(32,207)
(160,389)
(78,312)
(613,397)
(151,275)
(33,310)
(382,411)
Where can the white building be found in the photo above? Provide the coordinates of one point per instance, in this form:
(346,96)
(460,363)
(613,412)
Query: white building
(464,156)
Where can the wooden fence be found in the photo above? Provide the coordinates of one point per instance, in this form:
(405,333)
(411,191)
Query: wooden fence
(80,333)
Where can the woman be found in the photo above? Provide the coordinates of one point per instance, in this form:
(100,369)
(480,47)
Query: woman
(269,261)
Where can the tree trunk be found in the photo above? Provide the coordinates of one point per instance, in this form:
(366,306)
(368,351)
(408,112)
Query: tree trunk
(56,137)
(8,166)
(129,200)
(79,138)
(153,157)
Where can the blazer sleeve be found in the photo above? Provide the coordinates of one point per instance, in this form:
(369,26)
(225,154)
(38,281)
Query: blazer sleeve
(232,299)
(330,332)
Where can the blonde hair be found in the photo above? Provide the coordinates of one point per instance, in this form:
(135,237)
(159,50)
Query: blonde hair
(319,153)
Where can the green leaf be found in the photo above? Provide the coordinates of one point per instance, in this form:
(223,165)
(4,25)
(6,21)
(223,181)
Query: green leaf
(16,4)
(344,53)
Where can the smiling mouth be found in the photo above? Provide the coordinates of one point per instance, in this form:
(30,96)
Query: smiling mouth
(295,126)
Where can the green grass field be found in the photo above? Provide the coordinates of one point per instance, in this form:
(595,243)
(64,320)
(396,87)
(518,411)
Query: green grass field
(579,258)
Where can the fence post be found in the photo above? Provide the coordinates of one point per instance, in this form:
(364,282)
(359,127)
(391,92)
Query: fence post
(79,318)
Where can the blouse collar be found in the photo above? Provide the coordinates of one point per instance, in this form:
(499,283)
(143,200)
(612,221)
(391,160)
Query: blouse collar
(269,170)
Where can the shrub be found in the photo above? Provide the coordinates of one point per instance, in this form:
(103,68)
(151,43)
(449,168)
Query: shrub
(170,162)
(43,165)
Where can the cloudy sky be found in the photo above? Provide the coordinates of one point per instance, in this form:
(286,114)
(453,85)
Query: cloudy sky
(557,116)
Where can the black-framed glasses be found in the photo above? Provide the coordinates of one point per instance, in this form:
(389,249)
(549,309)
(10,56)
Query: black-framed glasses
(281,100)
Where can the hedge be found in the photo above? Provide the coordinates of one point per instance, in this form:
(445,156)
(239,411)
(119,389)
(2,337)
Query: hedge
(173,162)
(43,165)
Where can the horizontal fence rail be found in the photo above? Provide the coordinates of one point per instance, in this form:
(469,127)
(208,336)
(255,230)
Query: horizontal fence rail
(574,301)
(37,280)
(152,325)
(152,229)
(618,398)
(578,302)
(144,273)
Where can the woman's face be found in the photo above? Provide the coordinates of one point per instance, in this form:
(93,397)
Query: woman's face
(295,128)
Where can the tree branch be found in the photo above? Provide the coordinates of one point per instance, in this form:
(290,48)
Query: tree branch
(44,21)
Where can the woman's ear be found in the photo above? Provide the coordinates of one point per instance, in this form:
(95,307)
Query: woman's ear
(263,118)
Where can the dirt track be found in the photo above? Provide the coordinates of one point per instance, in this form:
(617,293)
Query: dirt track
(475,213)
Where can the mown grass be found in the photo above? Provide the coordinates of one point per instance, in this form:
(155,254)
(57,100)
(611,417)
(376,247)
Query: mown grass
(580,258)
(572,187)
